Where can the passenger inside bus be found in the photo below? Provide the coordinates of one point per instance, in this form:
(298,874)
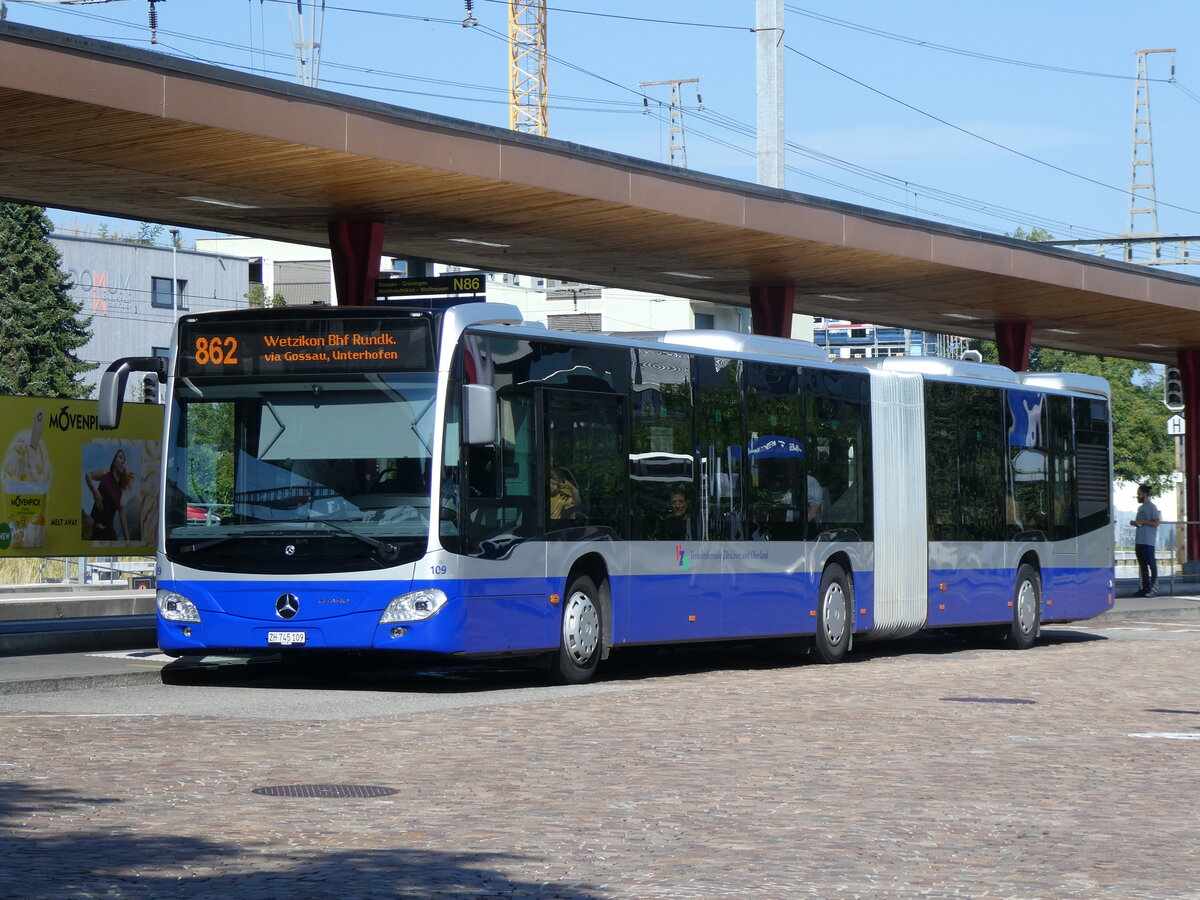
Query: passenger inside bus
(677,524)
(565,502)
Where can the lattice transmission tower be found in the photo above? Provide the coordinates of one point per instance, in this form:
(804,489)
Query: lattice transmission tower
(1158,249)
(1143,204)
(527,66)
(678,140)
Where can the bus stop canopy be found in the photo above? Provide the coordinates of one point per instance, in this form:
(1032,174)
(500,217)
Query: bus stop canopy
(107,129)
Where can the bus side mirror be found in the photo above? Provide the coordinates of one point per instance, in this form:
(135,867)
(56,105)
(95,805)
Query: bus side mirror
(479,414)
(114,379)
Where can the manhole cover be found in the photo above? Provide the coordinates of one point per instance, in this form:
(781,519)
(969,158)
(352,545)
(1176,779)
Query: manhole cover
(325,790)
(987,700)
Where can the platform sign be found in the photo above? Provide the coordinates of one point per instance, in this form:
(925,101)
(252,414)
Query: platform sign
(1176,426)
(474,284)
(71,488)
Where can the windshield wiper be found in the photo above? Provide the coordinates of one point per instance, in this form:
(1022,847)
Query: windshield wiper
(388,552)
(204,545)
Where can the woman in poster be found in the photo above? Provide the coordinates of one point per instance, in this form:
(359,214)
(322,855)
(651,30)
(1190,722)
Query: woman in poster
(108,492)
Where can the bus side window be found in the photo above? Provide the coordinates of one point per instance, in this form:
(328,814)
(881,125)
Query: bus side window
(484,471)
(662,447)
(720,435)
(837,453)
(584,457)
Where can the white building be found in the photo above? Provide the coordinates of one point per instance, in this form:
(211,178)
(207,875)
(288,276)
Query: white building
(126,289)
(300,274)
(570,306)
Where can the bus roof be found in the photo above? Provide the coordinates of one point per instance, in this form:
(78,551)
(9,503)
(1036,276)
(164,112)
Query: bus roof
(1067,381)
(944,368)
(734,342)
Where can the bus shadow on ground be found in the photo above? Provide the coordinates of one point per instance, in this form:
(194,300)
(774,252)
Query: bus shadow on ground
(68,856)
(360,673)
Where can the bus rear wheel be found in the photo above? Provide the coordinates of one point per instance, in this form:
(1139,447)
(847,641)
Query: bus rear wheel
(1027,609)
(834,620)
(579,637)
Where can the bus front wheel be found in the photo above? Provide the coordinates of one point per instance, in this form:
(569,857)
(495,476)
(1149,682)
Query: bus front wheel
(834,620)
(1027,609)
(579,638)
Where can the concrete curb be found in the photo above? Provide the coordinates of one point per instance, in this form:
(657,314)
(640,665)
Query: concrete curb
(66,640)
(57,684)
(1116,615)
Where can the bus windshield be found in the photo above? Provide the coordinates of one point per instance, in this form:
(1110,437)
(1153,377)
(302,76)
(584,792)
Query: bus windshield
(344,459)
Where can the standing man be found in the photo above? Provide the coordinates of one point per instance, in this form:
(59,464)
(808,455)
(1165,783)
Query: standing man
(1144,541)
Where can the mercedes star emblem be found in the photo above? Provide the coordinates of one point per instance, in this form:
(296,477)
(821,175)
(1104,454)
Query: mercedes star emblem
(287,606)
(289,550)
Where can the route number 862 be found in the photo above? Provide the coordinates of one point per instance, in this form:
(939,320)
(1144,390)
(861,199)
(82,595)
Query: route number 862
(216,351)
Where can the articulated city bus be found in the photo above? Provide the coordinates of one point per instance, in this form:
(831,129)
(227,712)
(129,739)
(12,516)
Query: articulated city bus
(462,484)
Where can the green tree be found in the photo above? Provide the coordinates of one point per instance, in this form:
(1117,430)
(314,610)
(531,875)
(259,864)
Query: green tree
(145,233)
(210,462)
(42,324)
(257,297)
(1033,234)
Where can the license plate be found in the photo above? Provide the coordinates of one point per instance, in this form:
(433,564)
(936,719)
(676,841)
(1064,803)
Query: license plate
(285,638)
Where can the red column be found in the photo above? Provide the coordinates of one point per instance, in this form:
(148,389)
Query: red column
(356,248)
(1189,370)
(1012,342)
(771,309)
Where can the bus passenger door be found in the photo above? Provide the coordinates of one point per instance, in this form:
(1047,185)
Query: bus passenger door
(504,565)
(1065,582)
(584,480)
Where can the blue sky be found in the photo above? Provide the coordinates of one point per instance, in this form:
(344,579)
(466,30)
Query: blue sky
(990,116)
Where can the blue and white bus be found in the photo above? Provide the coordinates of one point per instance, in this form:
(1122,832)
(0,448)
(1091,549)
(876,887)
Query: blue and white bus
(463,484)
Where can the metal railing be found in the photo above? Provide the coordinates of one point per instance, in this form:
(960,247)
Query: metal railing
(81,570)
(1171,553)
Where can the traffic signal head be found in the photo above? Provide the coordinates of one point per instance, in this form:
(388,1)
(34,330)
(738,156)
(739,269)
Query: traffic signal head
(1173,389)
(150,388)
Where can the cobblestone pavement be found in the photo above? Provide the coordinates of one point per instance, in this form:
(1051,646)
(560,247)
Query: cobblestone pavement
(1068,771)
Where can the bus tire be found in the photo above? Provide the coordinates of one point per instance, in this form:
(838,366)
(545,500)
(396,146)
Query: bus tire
(579,635)
(1027,609)
(834,619)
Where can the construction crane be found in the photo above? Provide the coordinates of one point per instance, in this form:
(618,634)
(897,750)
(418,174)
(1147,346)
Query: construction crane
(527,66)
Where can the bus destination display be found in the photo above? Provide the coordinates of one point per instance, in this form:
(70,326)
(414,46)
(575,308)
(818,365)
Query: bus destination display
(216,347)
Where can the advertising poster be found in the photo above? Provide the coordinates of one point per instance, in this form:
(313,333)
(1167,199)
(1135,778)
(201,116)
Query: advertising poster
(71,488)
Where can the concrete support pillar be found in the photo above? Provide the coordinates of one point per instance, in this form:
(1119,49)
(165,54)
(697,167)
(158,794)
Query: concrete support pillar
(1012,342)
(771,308)
(1189,371)
(356,248)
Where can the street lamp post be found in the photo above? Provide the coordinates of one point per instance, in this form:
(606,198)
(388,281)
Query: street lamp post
(174,270)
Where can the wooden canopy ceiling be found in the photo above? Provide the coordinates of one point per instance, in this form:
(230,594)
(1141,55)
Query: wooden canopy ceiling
(106,129)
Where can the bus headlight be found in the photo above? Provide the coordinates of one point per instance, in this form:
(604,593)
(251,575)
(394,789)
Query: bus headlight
(176,607)
(414,606)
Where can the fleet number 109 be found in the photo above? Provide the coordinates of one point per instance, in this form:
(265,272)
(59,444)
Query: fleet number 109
(216,351)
